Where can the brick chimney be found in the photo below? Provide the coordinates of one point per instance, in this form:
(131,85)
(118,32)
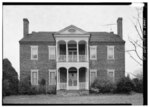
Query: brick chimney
(119,26)
(25,27)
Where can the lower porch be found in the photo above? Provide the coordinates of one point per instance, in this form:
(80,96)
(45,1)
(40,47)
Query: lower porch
(72,79)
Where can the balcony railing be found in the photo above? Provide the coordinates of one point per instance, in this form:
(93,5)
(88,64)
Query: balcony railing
(82,85)
(82,58)
(72,58)
(63,85)
(62,58)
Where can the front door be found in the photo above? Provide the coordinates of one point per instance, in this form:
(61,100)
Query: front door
(72,80)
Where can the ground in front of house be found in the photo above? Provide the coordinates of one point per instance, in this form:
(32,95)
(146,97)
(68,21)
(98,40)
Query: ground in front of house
(134,99)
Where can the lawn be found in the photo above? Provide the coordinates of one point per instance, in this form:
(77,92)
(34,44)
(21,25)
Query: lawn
(135,99)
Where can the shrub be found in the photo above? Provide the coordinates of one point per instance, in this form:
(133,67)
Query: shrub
(52,90)
(138,85)
(125,85)
(103,86)
(10,79)
(42,88)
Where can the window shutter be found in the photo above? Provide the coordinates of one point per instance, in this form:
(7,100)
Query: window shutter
(52,52)
(93,52)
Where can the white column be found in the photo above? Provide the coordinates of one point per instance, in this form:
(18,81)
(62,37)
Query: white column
(87,80)
(78,79)
(87,48)
(67,78)
(77,51)
(66,51)
(56,52)
(57,80)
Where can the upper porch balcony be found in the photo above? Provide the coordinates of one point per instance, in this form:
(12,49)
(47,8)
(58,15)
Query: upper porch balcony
(72,51)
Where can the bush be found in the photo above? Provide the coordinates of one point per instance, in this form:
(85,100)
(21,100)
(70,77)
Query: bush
(10,79)
(25,87)
(138,85)
(125,85)
(42,88)
(102,86)
(52,90)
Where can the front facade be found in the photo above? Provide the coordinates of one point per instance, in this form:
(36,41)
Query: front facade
(71,59)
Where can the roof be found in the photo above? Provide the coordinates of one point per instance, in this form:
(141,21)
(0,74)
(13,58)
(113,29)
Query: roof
(39,37)
(105,37)
(95,37)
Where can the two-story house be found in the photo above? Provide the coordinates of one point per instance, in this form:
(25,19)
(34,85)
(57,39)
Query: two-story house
(71,58)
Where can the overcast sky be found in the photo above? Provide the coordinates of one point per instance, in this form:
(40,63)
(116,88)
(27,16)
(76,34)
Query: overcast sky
(54,18)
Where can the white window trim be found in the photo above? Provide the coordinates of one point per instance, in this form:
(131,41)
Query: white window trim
(94,46)
(49,52)
(51,70)
(113,52)
(34,46)
(111,70)
(34,70)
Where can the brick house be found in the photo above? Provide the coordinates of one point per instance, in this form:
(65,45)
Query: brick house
(71,58)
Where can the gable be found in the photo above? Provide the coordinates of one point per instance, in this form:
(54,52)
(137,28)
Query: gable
(71,30)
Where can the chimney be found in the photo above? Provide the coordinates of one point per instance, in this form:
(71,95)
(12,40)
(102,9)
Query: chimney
(25,27)
(119,26)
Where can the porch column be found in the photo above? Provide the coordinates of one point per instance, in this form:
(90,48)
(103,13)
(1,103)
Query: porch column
(87,49)
(56,51)
(67,78)
(87,78)
(78,79)
(57,79)
(77,51)
(66,51)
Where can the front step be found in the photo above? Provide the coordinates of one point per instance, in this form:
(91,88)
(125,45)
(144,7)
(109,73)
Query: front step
(72,92)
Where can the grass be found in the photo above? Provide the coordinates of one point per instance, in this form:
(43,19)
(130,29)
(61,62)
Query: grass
(135,99)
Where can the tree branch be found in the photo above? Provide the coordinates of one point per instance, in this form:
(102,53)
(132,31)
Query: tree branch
(134,59)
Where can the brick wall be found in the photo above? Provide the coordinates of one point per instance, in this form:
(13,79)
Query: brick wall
(102,64)
(43,64)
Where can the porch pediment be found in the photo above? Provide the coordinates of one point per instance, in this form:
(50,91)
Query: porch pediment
(71,30)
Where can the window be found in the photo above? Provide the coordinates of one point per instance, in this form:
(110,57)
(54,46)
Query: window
(52,77)
(34,52)
(51,52)
(111,74)
(93,52)
(110,52)
(93,75)
(34,77)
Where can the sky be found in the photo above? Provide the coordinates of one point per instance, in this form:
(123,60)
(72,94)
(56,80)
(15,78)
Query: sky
(54,18)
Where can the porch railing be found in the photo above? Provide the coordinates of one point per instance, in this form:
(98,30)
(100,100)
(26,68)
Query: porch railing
(62,58)
(82,58)
(63,85)
(82,85)
(72,58)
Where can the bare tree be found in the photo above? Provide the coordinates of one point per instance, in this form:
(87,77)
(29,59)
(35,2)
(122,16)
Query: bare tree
(137,43)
